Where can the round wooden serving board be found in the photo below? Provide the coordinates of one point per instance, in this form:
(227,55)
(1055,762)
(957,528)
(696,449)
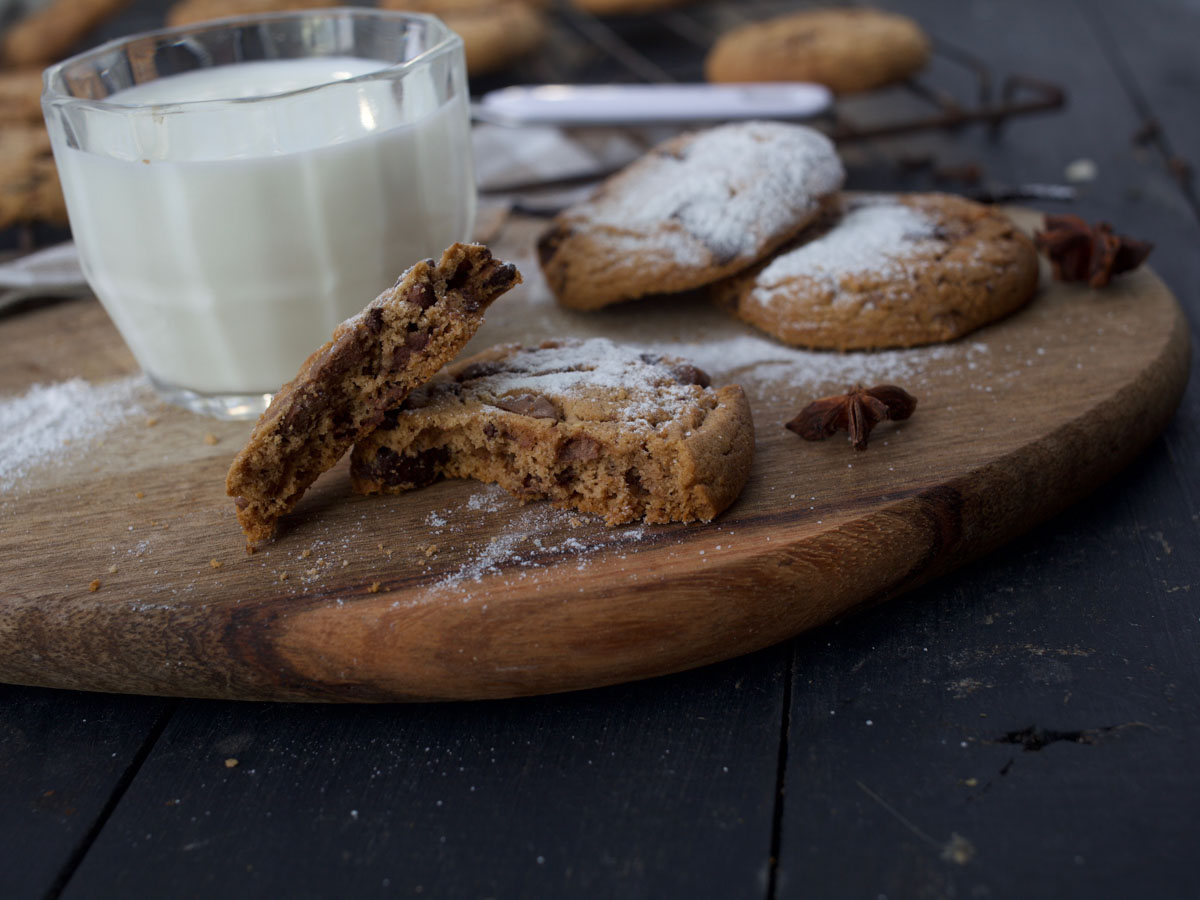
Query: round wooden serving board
(456,591)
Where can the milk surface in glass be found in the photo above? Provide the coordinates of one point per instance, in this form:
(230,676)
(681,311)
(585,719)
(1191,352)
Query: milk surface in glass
(226,258)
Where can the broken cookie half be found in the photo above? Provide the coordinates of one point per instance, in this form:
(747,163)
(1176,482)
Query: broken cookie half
(369,366)
(588,425)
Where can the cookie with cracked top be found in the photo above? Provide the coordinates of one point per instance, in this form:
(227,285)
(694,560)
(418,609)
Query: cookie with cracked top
(626,7)
(847,50)
(896,270)
(588,425)
(693,210)
(494,32)
(369,366)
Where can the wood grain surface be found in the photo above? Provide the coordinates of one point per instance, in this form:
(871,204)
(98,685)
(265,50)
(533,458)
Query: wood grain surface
(457,591)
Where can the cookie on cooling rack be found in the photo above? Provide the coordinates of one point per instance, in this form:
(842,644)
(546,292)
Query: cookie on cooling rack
(29,188)
(494,34)
(625,7)
(848,50)
(894,271)
(588,425)
(694,209)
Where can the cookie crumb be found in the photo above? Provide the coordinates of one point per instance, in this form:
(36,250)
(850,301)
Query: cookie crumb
(575,521)
(431,549)
(283,576)
(305,554)
(94,586)
(215,563)
(112,570)
(231,763)
(373,587)
(345,562)
(210,438)
(140,495)
(151,422)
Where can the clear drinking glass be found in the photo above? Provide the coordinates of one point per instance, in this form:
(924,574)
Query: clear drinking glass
(238,188)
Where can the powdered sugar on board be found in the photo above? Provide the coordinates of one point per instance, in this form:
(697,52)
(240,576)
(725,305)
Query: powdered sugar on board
(873,237)
(724,192)
(52,423)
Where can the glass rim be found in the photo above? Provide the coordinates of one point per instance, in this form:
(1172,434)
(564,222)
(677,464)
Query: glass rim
(53,96)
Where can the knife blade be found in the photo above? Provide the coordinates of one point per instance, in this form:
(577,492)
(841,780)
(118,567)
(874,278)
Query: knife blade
(640,104)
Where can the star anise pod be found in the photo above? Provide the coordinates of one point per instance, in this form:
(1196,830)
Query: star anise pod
(1092,253)
(856,411)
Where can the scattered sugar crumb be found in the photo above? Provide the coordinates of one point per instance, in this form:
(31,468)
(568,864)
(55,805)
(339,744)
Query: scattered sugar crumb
(43,426)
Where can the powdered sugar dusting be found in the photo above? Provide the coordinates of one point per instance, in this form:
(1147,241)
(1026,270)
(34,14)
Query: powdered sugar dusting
(747,359)
(49,422)
(729,189)
(872,237)
(647,390)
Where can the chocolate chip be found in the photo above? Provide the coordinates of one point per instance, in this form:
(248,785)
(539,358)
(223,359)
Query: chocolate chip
(533,405)
(688,374)
(374,319)
(478,370)
(417,340)
(422,295)
(489,431)
(582,448)
(460,276)
(418,470)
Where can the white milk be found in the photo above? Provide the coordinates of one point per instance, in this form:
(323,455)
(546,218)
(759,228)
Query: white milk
(226,255)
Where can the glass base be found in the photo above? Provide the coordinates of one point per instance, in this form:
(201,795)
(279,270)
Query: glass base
(230,407)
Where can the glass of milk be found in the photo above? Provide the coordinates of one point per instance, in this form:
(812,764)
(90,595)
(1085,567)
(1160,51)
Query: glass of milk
(238,188)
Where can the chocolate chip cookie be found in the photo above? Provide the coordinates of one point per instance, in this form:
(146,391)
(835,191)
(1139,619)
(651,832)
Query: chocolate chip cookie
(369,366)
(191,12)
(847,50)
(894,271)
(695,209)
(29,188)
(494,32)
(588,425)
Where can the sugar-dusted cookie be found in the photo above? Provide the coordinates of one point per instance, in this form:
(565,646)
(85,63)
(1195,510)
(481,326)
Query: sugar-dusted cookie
(494,32)
(191,12)
(373,360)
(894,271)
(588,425)
(847,50)
(29,188)
(694,209)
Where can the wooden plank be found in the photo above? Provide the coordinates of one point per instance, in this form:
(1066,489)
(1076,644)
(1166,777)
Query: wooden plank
(662,788)
(1041,706)
(65,758)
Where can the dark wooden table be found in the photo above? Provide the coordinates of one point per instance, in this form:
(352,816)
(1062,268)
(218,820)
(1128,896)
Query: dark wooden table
(1026,727)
